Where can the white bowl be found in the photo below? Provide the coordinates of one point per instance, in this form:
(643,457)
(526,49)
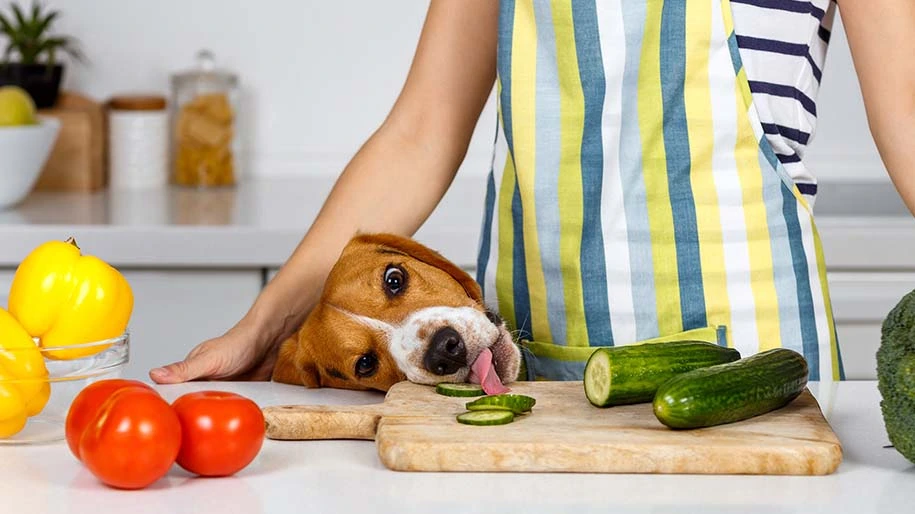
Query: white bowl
(24,150)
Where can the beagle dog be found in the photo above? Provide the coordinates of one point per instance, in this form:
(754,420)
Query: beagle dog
(393,310)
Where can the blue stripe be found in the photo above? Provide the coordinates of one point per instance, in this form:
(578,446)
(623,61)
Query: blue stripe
(771,45)
(544,368)
(504,68)
(824,34)
(721,334)
(788,158)
(780,47)
(839,357)
(521,295)
(784,91)
(593,85)
(547,125)
(801,272)
(786,287)
(486,231)
(817,73)
(786,5)
(791,133)
(676,149)
(807,189)
(633,182)
(816,12)
(519,270)
(735,53)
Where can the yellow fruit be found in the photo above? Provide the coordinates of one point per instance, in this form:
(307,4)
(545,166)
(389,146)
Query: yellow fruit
(16,107)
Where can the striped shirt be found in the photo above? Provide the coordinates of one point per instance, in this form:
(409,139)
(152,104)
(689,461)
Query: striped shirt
(783,47)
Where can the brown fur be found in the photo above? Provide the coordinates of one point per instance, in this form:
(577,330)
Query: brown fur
(330,340)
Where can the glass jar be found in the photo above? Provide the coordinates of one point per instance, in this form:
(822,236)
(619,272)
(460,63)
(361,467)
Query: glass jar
(204,133)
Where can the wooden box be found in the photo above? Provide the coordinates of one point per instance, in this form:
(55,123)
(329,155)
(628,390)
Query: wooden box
(78,161)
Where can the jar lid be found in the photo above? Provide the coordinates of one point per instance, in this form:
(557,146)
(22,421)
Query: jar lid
(205,75)
(137,103)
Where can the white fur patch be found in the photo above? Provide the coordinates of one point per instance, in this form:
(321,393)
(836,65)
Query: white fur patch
(408,348)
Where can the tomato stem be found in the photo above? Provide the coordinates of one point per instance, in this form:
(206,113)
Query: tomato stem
(72,242)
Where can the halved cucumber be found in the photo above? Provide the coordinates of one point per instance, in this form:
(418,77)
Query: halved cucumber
(629,374)
(515,403)
(486,417)
(463,390)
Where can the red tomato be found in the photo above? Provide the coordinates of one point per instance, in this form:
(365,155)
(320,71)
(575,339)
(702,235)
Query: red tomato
(86,405)
(221,432)
(133,439)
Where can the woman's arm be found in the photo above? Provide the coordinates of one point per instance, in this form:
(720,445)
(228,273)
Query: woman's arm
(401,173)
(881,36)
(392,184)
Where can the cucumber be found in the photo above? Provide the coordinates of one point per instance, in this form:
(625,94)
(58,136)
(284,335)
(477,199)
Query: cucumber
(486,417)
(629,374)
(463,390)
(731,392)
(516,403)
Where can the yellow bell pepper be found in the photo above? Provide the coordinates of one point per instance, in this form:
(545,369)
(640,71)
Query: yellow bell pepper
(64,298)
(24,387)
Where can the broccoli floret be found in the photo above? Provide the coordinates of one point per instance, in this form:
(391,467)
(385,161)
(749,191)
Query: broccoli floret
(896,375)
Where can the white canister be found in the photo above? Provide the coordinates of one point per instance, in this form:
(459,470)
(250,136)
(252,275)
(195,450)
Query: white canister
(138,142)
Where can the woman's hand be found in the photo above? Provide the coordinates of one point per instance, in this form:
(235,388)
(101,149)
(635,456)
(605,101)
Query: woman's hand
(239,354)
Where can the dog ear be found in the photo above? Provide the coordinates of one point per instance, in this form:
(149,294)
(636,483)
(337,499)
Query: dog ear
(424,254)
(294,367)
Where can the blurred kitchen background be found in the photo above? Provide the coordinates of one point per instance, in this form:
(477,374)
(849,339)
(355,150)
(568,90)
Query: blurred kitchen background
(314,79)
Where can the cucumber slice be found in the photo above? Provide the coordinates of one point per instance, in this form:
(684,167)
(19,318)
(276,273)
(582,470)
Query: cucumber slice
(464,390)
(515,403)
(598,379)
(486,417)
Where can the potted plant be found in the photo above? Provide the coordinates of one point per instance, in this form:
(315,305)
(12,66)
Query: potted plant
(37,69)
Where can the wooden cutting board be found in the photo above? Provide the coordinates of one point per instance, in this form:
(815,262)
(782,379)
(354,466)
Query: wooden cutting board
(415,430)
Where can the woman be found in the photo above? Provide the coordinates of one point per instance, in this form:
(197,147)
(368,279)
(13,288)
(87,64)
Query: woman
(648,178)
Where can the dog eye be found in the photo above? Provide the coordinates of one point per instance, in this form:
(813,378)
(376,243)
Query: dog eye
(367,365)
(395,280)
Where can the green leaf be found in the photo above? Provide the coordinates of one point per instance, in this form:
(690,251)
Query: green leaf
(44,24)
(6,26)
(19,17)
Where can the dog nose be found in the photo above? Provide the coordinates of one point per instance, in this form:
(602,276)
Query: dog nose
(446,353)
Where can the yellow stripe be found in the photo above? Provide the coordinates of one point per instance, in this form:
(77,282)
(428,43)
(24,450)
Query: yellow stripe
(654,171)
(698,99)
(726,14)
(821,271)
(581,354)
(571,214)
(745,93)
(762,279)
(524,75)
(505,264)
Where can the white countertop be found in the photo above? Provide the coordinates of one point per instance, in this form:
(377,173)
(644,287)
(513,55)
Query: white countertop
(259,222)
(346,476)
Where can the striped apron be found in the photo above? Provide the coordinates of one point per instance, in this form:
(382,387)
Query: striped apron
(633,195)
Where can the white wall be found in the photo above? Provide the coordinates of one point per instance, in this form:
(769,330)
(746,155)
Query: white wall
(320,75)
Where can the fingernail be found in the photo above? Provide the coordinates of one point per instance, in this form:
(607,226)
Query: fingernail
(160,372)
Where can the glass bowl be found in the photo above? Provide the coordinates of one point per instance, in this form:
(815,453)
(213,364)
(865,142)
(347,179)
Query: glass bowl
(66,379)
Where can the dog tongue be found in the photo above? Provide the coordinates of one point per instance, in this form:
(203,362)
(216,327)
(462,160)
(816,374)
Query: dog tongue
(483,372)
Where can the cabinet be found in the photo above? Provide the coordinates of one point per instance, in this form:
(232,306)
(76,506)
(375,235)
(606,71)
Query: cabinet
(861,301)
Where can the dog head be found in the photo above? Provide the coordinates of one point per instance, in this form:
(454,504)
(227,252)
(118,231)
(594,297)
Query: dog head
(393,310)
